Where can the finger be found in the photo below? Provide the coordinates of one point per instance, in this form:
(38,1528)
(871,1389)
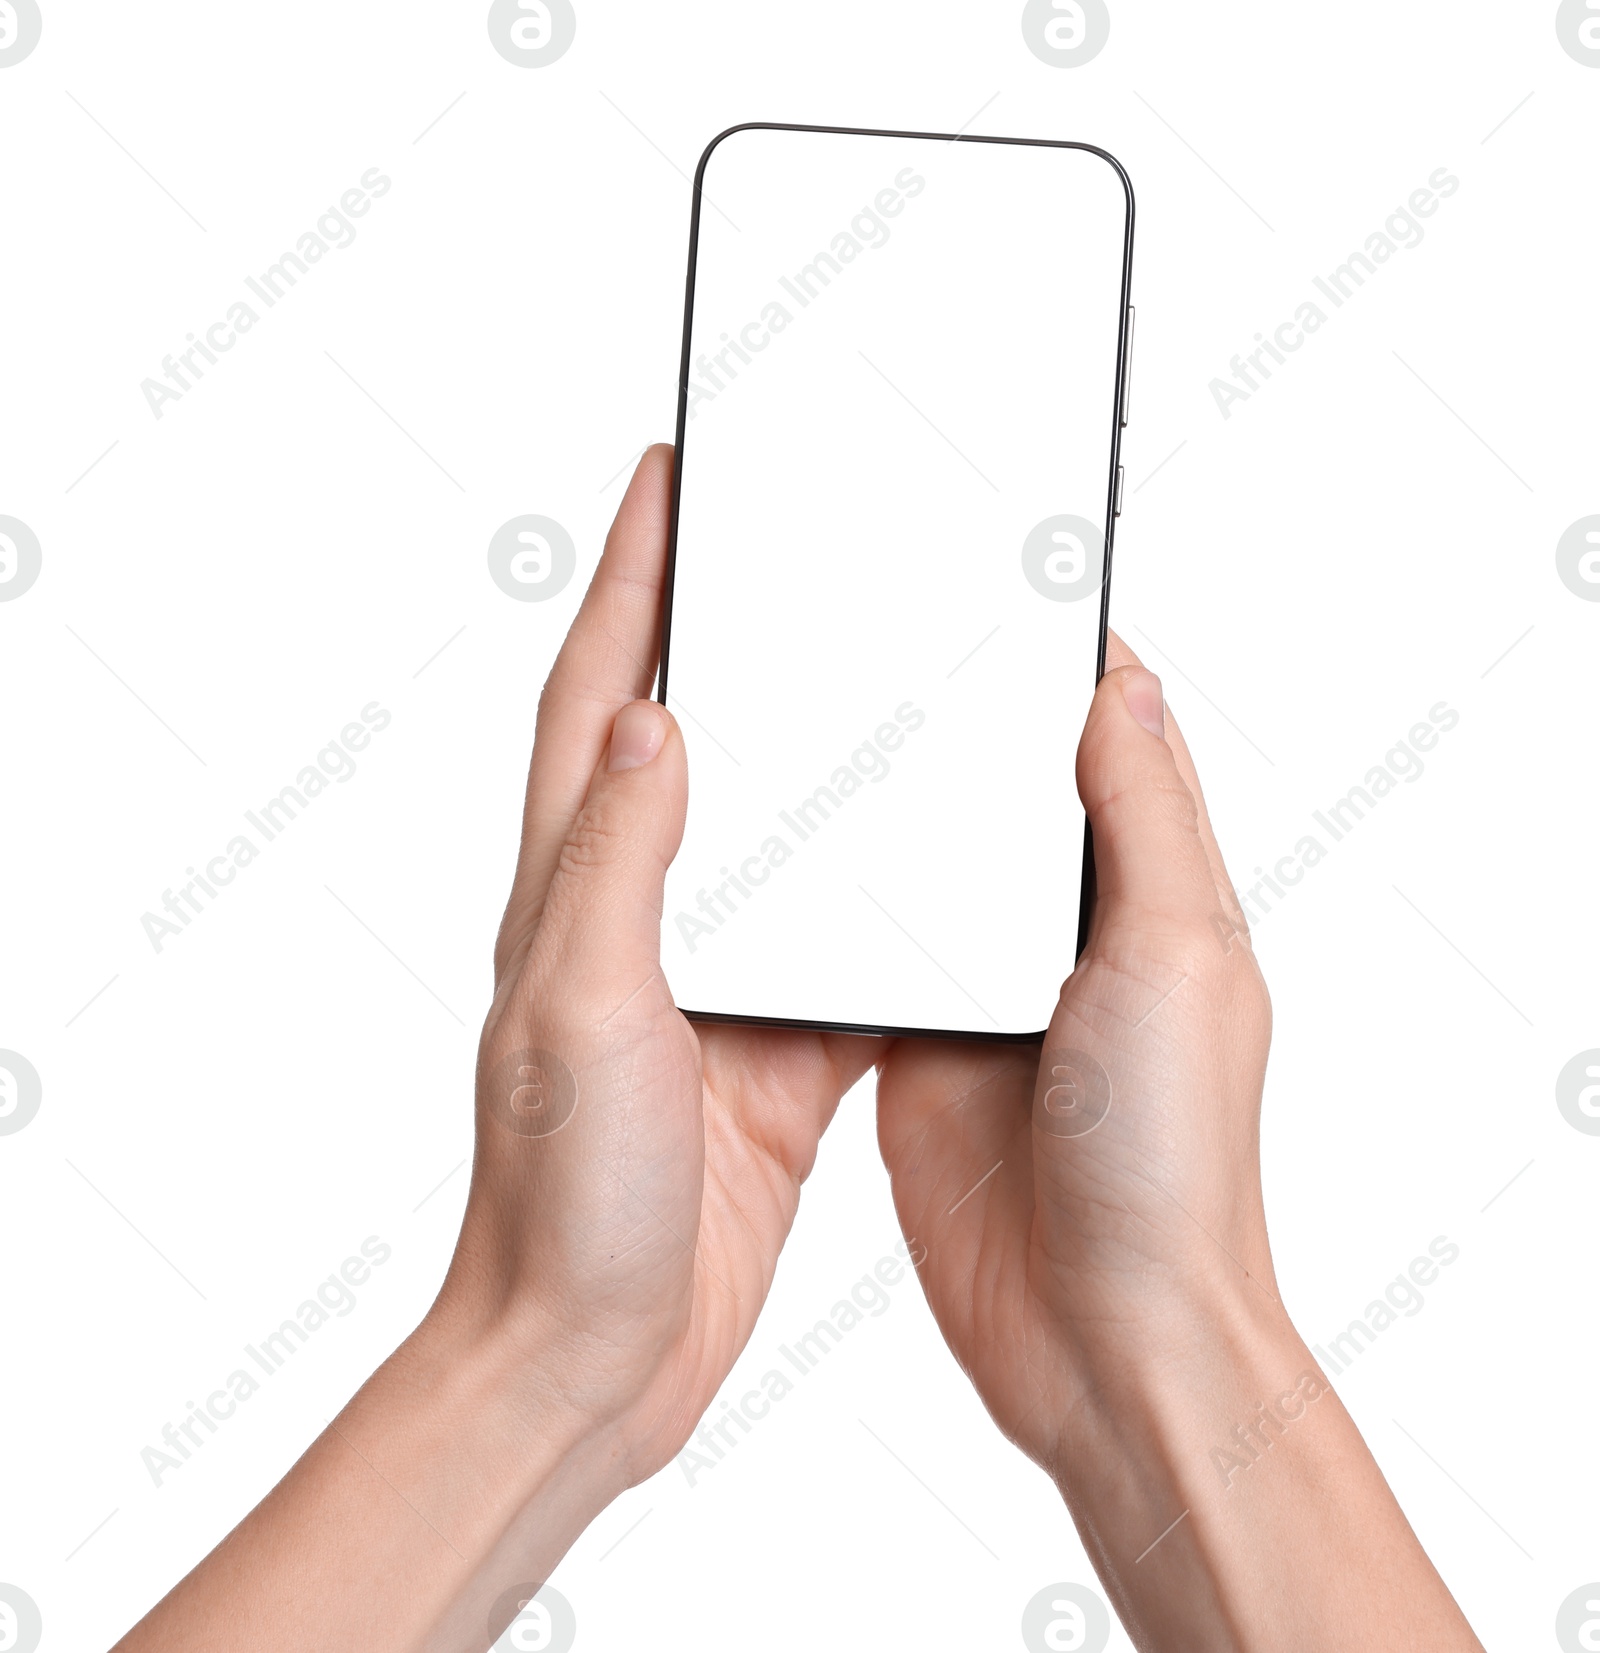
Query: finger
(783,1086)
(953,1130)
(1119,654)
(600,935)
(1151,867)
(608,659)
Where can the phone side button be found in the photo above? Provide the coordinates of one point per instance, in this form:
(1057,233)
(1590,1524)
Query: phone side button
(1116,508)
(1127,369)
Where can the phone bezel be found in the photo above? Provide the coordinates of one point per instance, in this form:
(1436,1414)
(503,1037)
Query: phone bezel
(1087,886)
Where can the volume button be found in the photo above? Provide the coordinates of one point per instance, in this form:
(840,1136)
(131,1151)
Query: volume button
(1127,368)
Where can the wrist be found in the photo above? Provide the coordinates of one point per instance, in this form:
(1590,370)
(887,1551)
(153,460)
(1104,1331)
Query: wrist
(495,1474)
(1182,1467)
(1170,1391)
(451,1471)
(1183,1472)
(507,1391)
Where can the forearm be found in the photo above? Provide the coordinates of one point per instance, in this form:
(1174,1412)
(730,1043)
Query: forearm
(1229,1501)
(449,1478)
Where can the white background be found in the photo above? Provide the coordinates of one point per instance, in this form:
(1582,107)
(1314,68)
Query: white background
(1339,555)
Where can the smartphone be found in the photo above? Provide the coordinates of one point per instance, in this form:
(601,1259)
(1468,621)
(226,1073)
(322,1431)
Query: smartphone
(904,382)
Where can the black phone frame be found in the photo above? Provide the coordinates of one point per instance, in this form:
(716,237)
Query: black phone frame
(1086,894)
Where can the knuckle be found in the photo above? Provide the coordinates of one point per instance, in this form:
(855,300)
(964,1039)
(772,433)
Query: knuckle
(515,936)
(1211,950)
(595,840)
(1224,968)
(1165,793)
(1144,795)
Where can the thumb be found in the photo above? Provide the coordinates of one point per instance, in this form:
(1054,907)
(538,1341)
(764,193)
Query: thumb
(1150,860)
(600,931)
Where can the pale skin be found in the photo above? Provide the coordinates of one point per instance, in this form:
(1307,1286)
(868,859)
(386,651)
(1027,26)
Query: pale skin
(1111,1294)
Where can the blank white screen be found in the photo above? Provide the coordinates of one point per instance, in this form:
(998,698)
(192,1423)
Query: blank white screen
(904,356)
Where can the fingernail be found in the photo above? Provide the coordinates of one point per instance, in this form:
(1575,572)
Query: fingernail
(637,735)
(1142,691)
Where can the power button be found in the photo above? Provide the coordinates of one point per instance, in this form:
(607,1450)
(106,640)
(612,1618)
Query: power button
(1116,507)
